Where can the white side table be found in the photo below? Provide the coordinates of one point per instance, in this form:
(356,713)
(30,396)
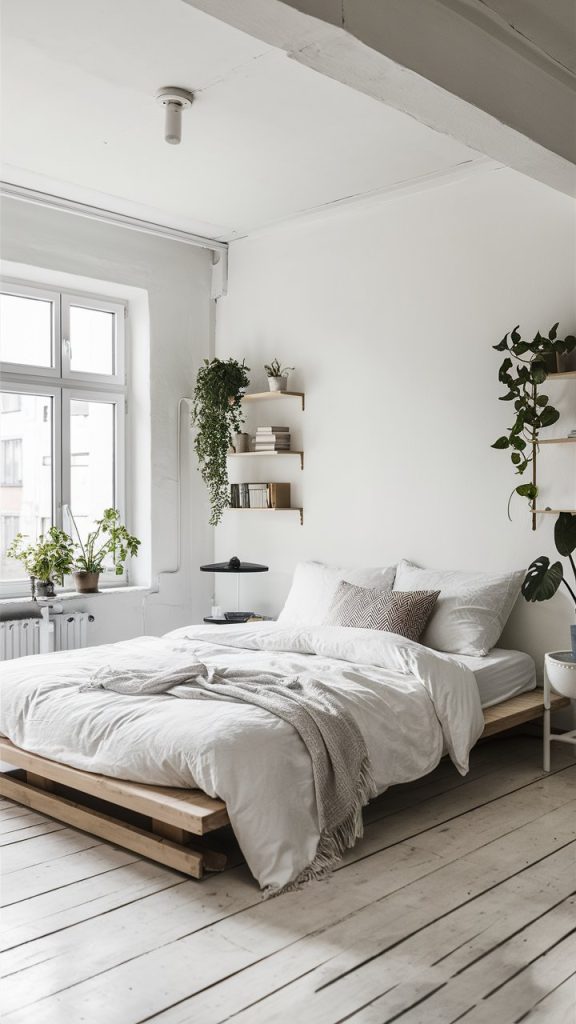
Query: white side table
(560,676)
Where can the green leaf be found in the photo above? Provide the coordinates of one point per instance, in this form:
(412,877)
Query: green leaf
(502,345)
(518,442)
(516,458)
(538,371)
(565,533)
(508,398)
(548,416)
(542,579)
(520,348)
(515,337)
(502,442)
(542,400)
(553,332)
(527,491)
(570,342)
(503,371)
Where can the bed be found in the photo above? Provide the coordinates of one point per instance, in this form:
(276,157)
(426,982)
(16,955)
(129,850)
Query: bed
(186,768)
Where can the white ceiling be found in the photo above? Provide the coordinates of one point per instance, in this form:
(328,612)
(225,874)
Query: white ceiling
(265,140)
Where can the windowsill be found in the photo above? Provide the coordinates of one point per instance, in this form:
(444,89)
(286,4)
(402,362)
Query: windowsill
(73,595)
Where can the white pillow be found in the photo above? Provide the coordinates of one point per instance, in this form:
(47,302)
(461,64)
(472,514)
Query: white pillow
(472,609)
(314,586)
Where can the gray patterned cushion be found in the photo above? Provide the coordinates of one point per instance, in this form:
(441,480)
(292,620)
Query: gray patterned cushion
(395,611)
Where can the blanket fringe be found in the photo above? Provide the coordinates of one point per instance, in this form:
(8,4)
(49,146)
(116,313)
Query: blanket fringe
(333,844)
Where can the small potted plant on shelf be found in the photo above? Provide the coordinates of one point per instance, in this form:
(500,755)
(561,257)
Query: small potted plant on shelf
(109,540)
(47,561)
(541,583)
(277,375)
(217,416)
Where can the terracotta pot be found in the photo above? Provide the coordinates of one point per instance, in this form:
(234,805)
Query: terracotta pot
(86,582)
(277,383)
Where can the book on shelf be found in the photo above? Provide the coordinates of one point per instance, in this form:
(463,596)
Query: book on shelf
(260,495)
(272,430)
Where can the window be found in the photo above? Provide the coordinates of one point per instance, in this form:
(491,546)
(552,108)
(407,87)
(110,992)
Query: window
(10,403)
(11,462)
(62,404)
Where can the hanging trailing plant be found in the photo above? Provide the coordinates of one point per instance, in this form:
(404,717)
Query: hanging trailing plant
(524,370)
(217,415)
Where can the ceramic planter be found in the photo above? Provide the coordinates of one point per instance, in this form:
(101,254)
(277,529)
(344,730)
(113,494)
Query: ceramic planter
(86,582)
(561,670)
(45,588)
(277,383)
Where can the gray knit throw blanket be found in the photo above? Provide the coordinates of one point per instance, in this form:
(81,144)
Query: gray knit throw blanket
(341,769)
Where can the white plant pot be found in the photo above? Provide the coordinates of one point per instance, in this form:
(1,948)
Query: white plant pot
(561,670)
(277,383)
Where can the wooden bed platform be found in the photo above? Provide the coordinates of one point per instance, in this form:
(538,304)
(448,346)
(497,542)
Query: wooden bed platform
(165,824)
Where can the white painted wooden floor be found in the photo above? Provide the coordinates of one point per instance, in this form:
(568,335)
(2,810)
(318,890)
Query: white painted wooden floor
(459,904)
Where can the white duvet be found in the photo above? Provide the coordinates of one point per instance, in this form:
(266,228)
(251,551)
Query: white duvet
(409,702)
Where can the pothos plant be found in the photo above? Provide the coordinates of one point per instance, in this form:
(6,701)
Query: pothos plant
(217,415)
(524,370)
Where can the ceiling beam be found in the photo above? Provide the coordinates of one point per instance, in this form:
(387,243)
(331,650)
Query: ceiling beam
(454,65)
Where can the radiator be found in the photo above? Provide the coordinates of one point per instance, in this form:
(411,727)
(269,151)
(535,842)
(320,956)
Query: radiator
(70,630)
(65,632)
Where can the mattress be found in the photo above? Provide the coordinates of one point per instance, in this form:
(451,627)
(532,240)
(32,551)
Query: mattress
(501,674)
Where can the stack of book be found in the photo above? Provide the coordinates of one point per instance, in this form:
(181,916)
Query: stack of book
(272,439)
(274,495)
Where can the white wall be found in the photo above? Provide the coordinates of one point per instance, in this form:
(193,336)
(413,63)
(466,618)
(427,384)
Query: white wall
(389,312)
(167,285)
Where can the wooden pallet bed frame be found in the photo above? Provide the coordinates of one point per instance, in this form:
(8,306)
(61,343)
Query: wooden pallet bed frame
(165,824)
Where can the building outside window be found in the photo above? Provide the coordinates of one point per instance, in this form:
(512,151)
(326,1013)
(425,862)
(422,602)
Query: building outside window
(62,406)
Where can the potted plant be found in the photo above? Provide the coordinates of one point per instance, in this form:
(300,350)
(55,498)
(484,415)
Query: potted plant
(524,370)
(217,415)
(543,579)
(277,375)
(109,539)
(47,561)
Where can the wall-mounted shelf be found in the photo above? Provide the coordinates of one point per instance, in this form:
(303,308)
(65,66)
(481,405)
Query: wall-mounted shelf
(264,511)
(555,440)
(568,375)
(553,511)
(260,396)
(261,455)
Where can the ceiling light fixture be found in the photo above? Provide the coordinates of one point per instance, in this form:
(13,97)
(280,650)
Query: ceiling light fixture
(175,100)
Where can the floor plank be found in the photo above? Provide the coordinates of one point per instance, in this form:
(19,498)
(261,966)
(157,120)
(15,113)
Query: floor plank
(456,882)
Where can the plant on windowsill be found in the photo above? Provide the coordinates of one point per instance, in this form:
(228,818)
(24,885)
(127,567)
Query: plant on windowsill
(109,540)
(277,375)
(543,579)
(217,416)
(524,370)
(47,561)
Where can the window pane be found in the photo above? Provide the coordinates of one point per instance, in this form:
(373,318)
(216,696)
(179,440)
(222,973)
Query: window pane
(91,340)
(26,330)
(25,472)
(92,462)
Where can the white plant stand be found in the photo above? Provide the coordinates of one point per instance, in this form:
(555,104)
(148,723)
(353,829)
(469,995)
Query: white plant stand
(559,676)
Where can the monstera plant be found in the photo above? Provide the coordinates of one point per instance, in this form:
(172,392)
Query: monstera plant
(544,578)
(523,372)
(217,415)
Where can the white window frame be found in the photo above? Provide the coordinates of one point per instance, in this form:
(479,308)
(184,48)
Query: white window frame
(48,295)
(69,299)
(62,385)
